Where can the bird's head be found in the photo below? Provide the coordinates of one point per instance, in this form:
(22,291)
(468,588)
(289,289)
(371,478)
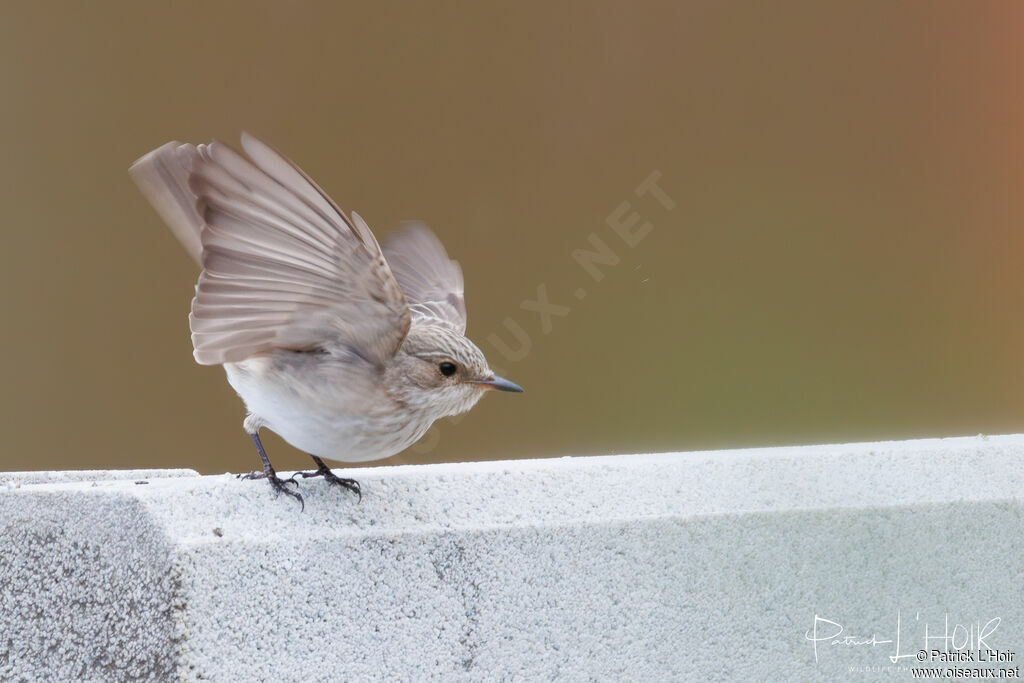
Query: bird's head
(441,372)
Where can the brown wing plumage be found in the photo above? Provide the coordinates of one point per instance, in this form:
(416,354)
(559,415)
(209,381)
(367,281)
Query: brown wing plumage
(162,176)
(432,282)
(283,266)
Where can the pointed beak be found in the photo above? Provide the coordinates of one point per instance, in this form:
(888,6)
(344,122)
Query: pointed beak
(499,383)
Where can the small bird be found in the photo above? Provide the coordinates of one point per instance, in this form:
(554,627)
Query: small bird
(346,350)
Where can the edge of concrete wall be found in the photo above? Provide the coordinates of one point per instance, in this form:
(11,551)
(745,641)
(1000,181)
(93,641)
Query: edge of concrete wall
(715,565)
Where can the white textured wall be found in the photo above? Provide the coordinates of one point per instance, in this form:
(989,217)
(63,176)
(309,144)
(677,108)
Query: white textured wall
(682,566)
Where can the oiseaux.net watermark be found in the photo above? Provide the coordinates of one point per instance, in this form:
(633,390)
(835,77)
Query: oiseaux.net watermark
(626,226)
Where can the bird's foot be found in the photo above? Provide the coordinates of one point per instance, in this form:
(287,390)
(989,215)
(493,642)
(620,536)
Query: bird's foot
(278,484)
(325,472)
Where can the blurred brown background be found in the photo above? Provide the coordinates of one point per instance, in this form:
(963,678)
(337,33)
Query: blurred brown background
(842,262)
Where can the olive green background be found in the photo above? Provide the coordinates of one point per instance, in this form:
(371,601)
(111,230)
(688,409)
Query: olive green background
(842,261)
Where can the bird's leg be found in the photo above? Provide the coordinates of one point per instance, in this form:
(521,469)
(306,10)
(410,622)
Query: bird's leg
(270,474)
(324,471)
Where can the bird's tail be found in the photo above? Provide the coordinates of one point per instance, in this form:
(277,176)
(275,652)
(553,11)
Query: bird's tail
(162,176)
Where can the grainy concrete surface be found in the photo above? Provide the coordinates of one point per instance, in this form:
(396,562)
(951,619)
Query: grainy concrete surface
(675,566)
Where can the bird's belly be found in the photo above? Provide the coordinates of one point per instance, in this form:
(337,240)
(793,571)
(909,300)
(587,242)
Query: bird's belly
(313,422)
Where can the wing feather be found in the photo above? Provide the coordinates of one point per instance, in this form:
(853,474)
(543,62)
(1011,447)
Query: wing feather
(431,281)
(283,266)
(163,180)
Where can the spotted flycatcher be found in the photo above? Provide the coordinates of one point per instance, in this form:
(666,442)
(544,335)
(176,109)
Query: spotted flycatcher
(346,350)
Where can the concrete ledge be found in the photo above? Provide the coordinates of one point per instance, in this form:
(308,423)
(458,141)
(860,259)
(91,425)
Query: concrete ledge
(684,566)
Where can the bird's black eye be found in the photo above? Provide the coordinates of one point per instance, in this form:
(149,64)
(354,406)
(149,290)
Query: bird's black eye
(447,368)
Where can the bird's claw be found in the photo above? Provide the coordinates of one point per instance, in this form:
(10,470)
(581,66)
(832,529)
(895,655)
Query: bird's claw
(278,484)
(325,472)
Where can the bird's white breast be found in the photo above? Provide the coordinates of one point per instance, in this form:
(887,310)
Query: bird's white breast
(324,410)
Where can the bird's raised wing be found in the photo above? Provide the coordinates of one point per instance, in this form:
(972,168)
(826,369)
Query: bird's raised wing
(432,282)
(283,266)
